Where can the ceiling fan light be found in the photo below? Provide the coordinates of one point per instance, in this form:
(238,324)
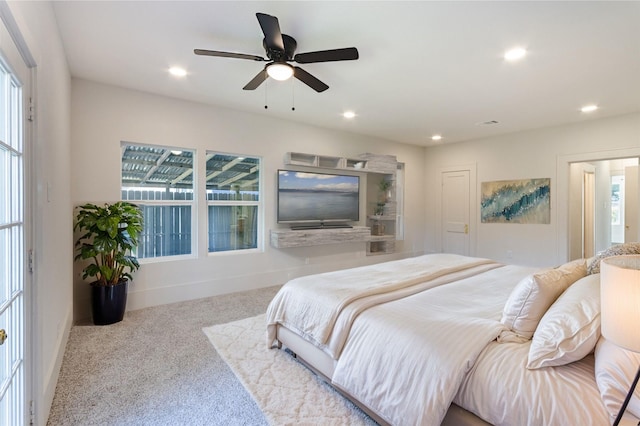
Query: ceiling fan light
(279,71)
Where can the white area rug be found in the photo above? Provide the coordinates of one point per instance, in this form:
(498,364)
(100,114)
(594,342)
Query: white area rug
(286,391)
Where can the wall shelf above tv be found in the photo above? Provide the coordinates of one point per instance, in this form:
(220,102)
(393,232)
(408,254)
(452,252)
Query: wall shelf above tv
(370,163)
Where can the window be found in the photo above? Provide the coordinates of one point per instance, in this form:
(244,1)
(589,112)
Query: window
(233,202)
(161,181)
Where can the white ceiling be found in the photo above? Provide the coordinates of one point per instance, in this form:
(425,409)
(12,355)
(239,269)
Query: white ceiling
(424,67)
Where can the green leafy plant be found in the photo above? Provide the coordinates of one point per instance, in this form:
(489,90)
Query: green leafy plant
(109,233)
(384,185)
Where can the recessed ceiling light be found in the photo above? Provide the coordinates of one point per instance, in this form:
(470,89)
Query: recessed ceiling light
(515,54)
(177,71)
(436,137)
(348,114)
(589,108)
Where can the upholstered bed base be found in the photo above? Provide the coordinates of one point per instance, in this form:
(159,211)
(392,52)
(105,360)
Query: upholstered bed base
(323,365)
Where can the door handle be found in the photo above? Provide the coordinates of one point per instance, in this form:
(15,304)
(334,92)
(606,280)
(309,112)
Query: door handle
(466,228)
(3,336)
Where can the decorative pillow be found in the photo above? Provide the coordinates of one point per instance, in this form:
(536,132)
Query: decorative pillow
(617,250)
(533,295)
(615,370)
(570,329)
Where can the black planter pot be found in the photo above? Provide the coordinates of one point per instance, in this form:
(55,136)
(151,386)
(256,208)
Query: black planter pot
(108,303)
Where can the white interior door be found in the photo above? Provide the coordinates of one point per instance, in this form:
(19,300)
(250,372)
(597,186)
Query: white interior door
(631,204)
(14,76)
(455,212)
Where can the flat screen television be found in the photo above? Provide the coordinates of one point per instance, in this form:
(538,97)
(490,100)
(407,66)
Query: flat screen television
(317,199)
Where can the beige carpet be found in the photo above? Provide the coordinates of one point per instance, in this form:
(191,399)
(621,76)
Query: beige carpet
(286,391)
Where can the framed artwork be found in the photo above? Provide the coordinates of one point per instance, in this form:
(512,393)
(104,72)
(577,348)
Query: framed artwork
(516,201)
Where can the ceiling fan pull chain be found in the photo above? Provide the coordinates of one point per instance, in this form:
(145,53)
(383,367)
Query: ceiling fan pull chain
(293,95)
(266,84)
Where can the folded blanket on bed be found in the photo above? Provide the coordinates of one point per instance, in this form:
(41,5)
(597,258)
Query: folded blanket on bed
(300,307)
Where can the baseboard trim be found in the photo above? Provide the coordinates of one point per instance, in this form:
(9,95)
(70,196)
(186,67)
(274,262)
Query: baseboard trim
(140,299)
(44,400)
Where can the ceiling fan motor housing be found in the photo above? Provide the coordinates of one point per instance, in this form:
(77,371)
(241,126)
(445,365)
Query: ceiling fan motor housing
(277,55)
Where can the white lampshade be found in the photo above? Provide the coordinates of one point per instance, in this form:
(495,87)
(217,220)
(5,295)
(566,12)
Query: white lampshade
(279,71)
(620,300)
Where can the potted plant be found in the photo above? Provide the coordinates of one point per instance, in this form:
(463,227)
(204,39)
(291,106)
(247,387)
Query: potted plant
(385,190)
(108,234)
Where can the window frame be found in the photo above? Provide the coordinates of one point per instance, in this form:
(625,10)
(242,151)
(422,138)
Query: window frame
(193,203)
(259,204)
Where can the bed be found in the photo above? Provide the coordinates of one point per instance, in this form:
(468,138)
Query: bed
(449,339)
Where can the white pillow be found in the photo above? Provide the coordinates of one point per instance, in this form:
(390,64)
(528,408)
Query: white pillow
(615,370)
(533,295)
(570,329)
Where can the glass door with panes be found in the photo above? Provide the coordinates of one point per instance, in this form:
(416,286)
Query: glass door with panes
(13,76)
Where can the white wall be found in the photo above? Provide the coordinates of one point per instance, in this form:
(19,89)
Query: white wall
(533,154)
(52,242)
(103,116)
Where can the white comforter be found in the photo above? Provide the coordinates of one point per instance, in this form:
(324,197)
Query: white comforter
(406,359)
(546,396)
(322,307)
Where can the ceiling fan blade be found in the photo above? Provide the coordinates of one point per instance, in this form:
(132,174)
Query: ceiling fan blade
(346,54)
(271,30)
(227,54)
(257,80)
(309,80)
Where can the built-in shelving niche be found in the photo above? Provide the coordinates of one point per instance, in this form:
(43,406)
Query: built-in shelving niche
(379,234)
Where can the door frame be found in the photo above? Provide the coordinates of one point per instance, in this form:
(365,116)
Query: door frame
(30,360)
(631,174)
(473,205)
(588,212)
(563,163)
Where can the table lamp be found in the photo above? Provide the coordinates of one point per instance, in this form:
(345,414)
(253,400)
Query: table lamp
(620,299)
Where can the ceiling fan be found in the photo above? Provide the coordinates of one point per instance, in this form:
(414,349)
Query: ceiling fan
(280,49)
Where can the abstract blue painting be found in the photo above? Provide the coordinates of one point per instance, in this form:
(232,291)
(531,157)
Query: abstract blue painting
(516,201)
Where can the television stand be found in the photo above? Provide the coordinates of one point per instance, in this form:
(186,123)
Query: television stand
(321,226)
(285,238)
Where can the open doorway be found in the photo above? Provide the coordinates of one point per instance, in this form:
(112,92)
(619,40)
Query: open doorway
(617,209)
(603,194)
